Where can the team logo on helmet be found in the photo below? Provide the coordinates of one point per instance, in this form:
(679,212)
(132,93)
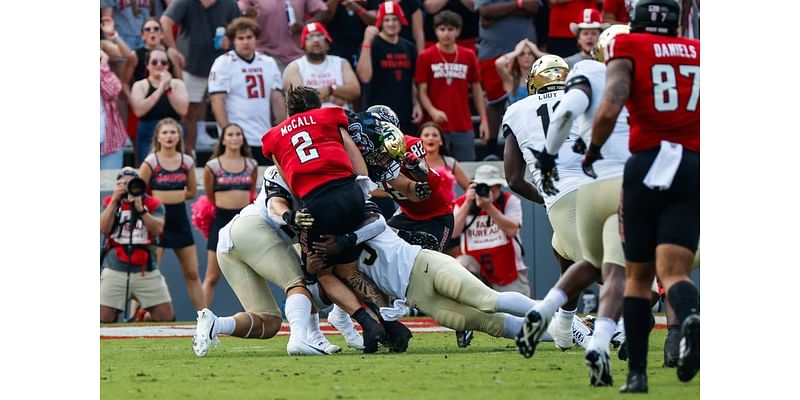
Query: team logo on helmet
(548,73)
(384,113)
(392,139)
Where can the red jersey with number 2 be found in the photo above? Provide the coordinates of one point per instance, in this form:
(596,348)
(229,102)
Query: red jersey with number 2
(309,149)
(434,206)
(664,102)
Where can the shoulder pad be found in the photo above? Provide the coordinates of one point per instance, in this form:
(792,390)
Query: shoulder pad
(575,81)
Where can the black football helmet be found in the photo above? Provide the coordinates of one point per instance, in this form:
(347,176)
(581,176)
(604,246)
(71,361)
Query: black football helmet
(661,17)
(384,113)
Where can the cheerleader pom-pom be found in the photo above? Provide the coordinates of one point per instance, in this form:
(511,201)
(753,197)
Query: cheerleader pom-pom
(448,180)
(203,212)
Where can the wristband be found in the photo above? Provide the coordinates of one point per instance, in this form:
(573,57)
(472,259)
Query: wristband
(484,118)
(168,91)
(519,4)
(366,46)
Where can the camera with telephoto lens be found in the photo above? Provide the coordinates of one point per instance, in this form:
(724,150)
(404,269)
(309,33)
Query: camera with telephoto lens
(482,190)
(135,187)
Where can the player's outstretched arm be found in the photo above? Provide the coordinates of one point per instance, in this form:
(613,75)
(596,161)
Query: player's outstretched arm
(574,102)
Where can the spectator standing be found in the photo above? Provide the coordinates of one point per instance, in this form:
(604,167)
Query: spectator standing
(245,86)
(112,131)
(170,177)
(229,179)
(560,40)
(502,24)
(154,98)
(413,31)
(128,17)
(587,30)
(131,223)
(446,74)
(153,38)
(513,69)
(199,21)
(469,19)
(616,11)
(488,220)
(279,39)
(346,20)
(387,61)
(331,76)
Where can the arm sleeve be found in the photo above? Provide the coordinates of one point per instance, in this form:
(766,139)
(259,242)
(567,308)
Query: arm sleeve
(370,230)
(573,103)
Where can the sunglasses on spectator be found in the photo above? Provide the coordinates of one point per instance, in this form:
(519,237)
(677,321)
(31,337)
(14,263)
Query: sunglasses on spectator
(156,62)
(152,29)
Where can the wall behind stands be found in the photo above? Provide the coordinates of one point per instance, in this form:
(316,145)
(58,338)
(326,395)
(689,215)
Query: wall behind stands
(536,232)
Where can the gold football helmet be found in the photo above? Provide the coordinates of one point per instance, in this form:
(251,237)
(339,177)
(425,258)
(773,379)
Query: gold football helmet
(548,73)
(599,50)
(392,139)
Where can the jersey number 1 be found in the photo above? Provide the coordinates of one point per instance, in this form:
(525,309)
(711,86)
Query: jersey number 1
(302,145)
(544,113)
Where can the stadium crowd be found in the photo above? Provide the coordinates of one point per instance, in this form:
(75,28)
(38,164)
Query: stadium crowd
(349,101)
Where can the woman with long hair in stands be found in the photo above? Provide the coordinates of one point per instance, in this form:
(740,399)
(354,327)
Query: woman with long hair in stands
(171,178)
(229,178)
(154,98)
(513,69)
(433,139)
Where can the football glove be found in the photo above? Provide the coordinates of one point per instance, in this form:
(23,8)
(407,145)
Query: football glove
(298,219)
(579,146)
(546,163)
(423,190)
(591,155)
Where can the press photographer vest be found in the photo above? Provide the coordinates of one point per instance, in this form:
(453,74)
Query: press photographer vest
(122,236)
(488,244)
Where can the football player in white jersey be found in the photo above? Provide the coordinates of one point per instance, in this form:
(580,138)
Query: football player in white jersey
(525,126)
(245,85)
(256,246)
(596,207)
(436,284)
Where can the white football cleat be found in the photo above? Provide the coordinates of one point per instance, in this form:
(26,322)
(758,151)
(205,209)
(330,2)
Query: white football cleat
(561,331)
(345,326)
(323,343)
(204,332)
(304,348)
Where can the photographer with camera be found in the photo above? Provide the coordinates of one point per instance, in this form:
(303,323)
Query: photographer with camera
(130,221)
(488,220)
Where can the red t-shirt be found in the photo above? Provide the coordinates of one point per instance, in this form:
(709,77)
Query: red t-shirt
(308,147)
(460,68)
(561,15)
(434,206)
(664,104)
(618,8)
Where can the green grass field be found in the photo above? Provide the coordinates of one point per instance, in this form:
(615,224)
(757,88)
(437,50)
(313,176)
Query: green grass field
(433,368)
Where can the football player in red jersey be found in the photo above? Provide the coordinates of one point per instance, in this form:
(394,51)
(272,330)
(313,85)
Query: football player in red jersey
(660,209)
(319,161)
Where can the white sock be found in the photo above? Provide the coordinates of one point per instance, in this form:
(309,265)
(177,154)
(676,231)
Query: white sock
(603,329)
(620,326)
(511,326)
(224,325)
(514,303)
(298,307)
(554,299)
(314,334)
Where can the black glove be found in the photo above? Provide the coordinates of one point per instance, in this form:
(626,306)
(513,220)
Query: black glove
(579,146)
(546,163)
(592,155)
(298,219)
(423,190)
(345,242)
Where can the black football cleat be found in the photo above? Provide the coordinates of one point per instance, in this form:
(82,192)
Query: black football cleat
(599,368)
(637,383)
(532,329)
(464,338)
(689,357)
